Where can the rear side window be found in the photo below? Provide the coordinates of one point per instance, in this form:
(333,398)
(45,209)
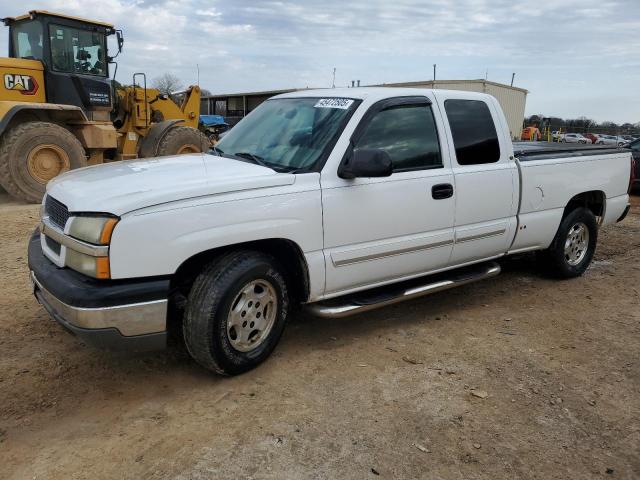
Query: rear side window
(408,134)
(474,133)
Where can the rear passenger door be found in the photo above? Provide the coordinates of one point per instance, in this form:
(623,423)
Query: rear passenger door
(485,177)
(377,230)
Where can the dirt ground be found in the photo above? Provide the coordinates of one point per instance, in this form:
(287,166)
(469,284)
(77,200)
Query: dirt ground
(387,394)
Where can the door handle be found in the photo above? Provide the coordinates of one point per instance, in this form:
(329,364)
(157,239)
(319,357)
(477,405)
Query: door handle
(442,191)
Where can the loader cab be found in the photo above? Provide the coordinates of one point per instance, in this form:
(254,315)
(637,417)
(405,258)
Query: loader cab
(74,54)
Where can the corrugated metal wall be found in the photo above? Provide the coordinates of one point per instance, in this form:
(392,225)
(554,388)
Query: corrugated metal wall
(513,103)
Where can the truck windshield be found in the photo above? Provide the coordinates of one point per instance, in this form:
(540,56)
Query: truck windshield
(288,134)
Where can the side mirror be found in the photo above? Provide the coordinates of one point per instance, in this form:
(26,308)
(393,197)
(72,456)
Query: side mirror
(366,163)
(120,40)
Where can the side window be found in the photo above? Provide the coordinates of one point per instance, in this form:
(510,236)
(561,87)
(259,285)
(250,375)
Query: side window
(27,40)
(408,134)
(474,133)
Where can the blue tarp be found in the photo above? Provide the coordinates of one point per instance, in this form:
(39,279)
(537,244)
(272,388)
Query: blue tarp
(211,120)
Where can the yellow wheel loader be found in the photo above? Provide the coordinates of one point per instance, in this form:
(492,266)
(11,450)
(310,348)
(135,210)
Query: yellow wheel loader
(58,109)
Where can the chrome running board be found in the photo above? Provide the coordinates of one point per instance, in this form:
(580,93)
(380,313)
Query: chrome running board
(390,294)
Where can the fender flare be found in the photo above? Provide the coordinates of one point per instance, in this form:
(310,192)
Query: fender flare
(67,112)
(150,142)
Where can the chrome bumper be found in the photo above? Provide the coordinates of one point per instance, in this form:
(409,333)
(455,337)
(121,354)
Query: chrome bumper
(129,320)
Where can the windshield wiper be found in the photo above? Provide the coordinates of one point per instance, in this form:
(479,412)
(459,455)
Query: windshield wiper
(254,158)
(217,151)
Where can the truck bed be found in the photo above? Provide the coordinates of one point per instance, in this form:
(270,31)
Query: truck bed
(525,151)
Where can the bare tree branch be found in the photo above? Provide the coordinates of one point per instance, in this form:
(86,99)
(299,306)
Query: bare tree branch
(167,83)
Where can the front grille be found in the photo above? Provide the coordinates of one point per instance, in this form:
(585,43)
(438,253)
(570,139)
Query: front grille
(53,245)
(57,212)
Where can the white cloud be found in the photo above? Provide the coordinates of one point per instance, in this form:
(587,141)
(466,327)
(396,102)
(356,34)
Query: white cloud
(572,55)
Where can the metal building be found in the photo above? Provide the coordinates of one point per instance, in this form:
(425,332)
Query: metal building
(512,99)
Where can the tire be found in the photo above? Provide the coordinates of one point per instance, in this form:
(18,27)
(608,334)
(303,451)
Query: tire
(227,285)
(33,153)
(570,253)
(182,140)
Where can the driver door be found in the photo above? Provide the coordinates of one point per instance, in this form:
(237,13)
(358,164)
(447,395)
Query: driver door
(379,230)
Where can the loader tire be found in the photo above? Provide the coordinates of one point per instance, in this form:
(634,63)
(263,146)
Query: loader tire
(33,153)
(181,140)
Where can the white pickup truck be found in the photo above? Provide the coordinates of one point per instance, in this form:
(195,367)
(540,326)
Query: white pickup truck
(341,200)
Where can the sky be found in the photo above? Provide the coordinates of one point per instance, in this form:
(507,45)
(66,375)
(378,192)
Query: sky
(576,57)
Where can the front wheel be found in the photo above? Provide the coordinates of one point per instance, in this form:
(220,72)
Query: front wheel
(573,247)
(236,312)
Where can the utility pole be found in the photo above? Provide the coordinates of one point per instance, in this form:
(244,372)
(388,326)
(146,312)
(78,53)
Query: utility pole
(513,75)
(434,72)
(333,84)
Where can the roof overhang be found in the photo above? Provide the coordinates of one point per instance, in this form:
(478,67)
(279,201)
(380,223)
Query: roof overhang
(34,13)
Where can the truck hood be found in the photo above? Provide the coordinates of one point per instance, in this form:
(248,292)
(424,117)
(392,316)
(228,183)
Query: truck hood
(128,185)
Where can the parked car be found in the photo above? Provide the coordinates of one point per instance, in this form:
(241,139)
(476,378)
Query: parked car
(622,140)
(606,140)
(592,137)
(340,200)
(610,140)
(574,138)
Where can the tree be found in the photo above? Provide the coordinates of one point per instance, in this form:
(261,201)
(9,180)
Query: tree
(167,83)
(205,93)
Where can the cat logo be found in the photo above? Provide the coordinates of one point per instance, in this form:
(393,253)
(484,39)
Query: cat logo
(25,84)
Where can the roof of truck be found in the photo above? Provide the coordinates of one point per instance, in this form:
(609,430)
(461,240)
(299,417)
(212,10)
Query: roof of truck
(33,13)
(375,93)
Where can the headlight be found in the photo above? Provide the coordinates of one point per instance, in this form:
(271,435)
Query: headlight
(96,267)
(96,230)
(93,229)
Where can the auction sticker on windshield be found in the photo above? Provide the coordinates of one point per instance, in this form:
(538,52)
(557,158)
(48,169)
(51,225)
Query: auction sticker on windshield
(343,103)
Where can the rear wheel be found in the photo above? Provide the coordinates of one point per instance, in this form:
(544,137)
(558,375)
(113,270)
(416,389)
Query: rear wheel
(180,140)
(573,247)
(236,312)
(33,153)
